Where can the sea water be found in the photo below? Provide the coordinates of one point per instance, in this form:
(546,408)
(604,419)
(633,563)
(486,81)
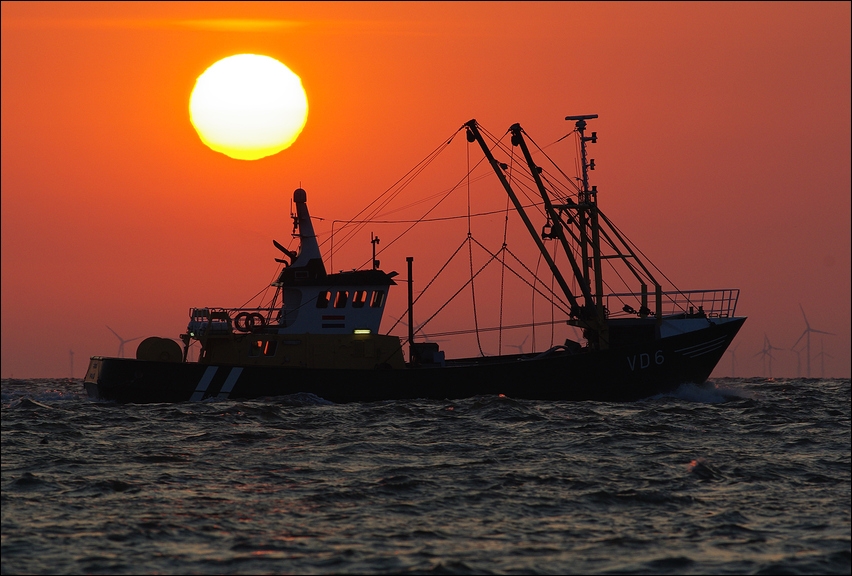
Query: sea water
(735,476)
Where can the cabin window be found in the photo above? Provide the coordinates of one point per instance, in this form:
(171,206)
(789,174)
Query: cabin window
(270,347)
(323,299)
(378,299)
(263,348)
(359,298)
(341,298)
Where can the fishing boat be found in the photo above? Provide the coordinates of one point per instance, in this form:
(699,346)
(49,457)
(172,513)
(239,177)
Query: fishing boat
(321,332)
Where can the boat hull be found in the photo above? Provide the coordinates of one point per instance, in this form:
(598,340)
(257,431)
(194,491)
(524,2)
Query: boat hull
(619,375)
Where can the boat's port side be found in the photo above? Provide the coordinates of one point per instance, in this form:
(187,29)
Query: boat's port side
(681,325)
(353,351)
(629,331)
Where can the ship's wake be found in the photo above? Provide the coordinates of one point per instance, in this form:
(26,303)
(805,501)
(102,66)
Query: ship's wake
(708,393)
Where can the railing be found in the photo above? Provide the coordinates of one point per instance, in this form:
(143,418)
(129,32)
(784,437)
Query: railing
(720,303)
(224,320)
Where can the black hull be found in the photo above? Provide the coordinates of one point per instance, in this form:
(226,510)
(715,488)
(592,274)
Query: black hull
(618,375)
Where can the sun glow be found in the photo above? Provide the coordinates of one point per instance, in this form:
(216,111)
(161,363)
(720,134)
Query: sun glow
(248,106)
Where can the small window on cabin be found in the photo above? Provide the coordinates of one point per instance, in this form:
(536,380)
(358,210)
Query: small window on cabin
(359,298)
(378,299)
(270,347)
(263,347)
(341,298)
(323,298)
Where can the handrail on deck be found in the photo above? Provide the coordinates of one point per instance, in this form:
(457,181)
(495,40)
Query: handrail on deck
(227,313)
(718,303)
(218,320)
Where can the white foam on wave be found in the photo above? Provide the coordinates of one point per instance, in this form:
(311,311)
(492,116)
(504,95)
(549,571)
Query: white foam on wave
(51,396)
(297,399)
(708,393)
(27,403)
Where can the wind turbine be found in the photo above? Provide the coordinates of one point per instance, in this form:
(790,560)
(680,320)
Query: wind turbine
(71,356)
(767,351)
(520,346)
(733,352)
(122,342)
(821,357)
(798,362)
(807,335)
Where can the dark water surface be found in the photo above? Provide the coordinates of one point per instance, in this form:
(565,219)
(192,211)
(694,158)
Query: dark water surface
(740,476)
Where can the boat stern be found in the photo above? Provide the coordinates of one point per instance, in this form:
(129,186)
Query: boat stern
(90,382)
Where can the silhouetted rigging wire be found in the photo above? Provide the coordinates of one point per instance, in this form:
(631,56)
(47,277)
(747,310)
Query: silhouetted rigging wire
(558,185)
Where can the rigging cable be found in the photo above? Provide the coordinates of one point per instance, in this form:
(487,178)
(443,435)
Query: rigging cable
(552,306)
(567,178)
(491,329)
(265,289)
(459,292)
(558,303)
(503,261)
(535,279)
(470,253)
(629,242)
(421,219)
(374,207)
(435,277)
(562,305)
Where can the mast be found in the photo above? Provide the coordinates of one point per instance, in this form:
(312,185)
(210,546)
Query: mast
(412,355)
(588,212)
(308,247)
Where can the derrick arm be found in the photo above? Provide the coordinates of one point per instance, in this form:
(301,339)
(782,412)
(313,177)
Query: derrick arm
(474,135)
(518,140)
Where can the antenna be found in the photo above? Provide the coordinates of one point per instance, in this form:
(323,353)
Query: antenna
(580,126)
(374,240)
(582,117)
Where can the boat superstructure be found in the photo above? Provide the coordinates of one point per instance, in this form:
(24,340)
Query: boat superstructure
(315,319)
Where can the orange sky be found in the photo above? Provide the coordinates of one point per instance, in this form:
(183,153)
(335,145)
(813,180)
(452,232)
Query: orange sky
(724,151)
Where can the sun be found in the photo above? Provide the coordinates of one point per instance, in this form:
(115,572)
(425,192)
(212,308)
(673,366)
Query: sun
(248,106)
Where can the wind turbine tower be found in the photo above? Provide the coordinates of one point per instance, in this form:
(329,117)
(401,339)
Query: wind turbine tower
(798,362)
(733,352)
(767,352)
(807,335)
(822,356)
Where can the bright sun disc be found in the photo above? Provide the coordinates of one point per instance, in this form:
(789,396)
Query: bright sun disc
(248,106)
